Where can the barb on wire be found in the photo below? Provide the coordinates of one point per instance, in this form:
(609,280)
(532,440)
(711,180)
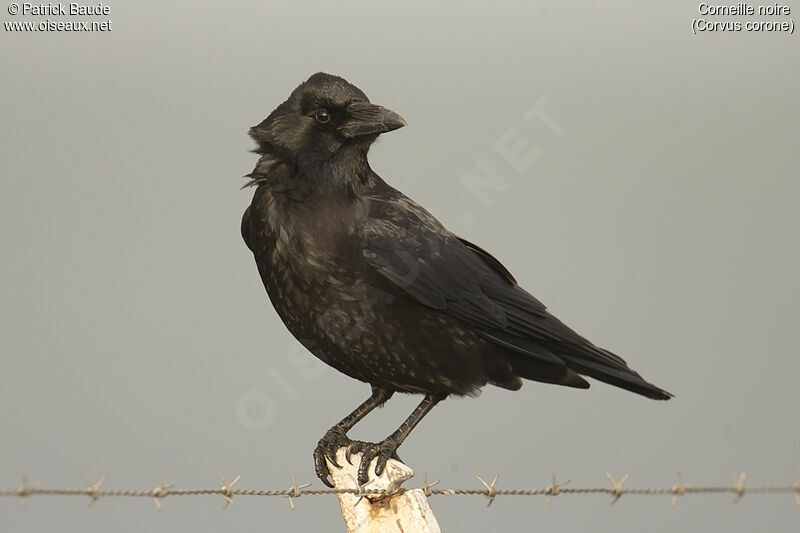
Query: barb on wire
(295,491)
(96,491)
(679,489)
(797,489)
(160,491)
(491,492)
(617,486)
(361,490)
(554,489)
(93,489)
(738,485)
(227,489)
(426,487)
(24,490)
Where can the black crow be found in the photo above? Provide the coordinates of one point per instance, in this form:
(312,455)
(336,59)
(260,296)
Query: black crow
(372,284)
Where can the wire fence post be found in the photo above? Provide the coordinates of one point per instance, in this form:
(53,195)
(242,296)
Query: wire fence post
(395,511)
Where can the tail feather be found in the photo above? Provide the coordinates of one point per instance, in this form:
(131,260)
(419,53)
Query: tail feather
(624,378)
(547,363)
(545,372)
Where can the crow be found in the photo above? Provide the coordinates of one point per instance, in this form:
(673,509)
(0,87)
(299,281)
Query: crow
(373,285)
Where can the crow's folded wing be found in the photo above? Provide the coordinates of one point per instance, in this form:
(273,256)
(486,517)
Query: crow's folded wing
(410,248)
(445,273)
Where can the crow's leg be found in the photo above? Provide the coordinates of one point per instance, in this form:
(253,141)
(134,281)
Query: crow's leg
(387,448)
(336,437)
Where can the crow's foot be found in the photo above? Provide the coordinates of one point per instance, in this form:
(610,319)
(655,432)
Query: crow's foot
(384,450)
(326,448)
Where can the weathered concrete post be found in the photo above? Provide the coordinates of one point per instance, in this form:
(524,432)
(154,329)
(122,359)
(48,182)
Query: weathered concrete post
(405,512)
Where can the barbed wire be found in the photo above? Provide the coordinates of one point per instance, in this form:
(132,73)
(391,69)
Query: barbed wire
(227,491)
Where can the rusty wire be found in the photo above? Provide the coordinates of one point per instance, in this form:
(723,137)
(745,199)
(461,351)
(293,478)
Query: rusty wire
(227,491)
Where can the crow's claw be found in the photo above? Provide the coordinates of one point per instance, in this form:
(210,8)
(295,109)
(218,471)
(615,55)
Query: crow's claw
(326,448)
(335,438)
(356,446)
(383,451)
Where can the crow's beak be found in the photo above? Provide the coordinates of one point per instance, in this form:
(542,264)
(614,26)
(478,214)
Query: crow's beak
(369,119)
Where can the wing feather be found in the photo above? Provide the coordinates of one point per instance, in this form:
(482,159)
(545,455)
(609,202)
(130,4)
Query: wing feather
(410,248)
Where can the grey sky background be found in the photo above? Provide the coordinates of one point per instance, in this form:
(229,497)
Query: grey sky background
(659,219)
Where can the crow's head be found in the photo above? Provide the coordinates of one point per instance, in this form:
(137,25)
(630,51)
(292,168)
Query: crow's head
(325,118)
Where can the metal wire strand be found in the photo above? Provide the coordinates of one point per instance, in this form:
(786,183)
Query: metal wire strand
(488,490)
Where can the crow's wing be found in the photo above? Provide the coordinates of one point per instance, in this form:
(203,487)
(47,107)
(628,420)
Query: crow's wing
(410,248)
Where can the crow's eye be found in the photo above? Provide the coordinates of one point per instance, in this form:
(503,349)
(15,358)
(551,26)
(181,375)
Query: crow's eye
(322,116)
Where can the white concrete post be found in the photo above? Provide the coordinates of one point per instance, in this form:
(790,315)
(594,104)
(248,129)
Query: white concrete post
(406,512)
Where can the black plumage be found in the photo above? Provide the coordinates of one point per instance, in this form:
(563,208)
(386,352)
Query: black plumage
(376,287)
